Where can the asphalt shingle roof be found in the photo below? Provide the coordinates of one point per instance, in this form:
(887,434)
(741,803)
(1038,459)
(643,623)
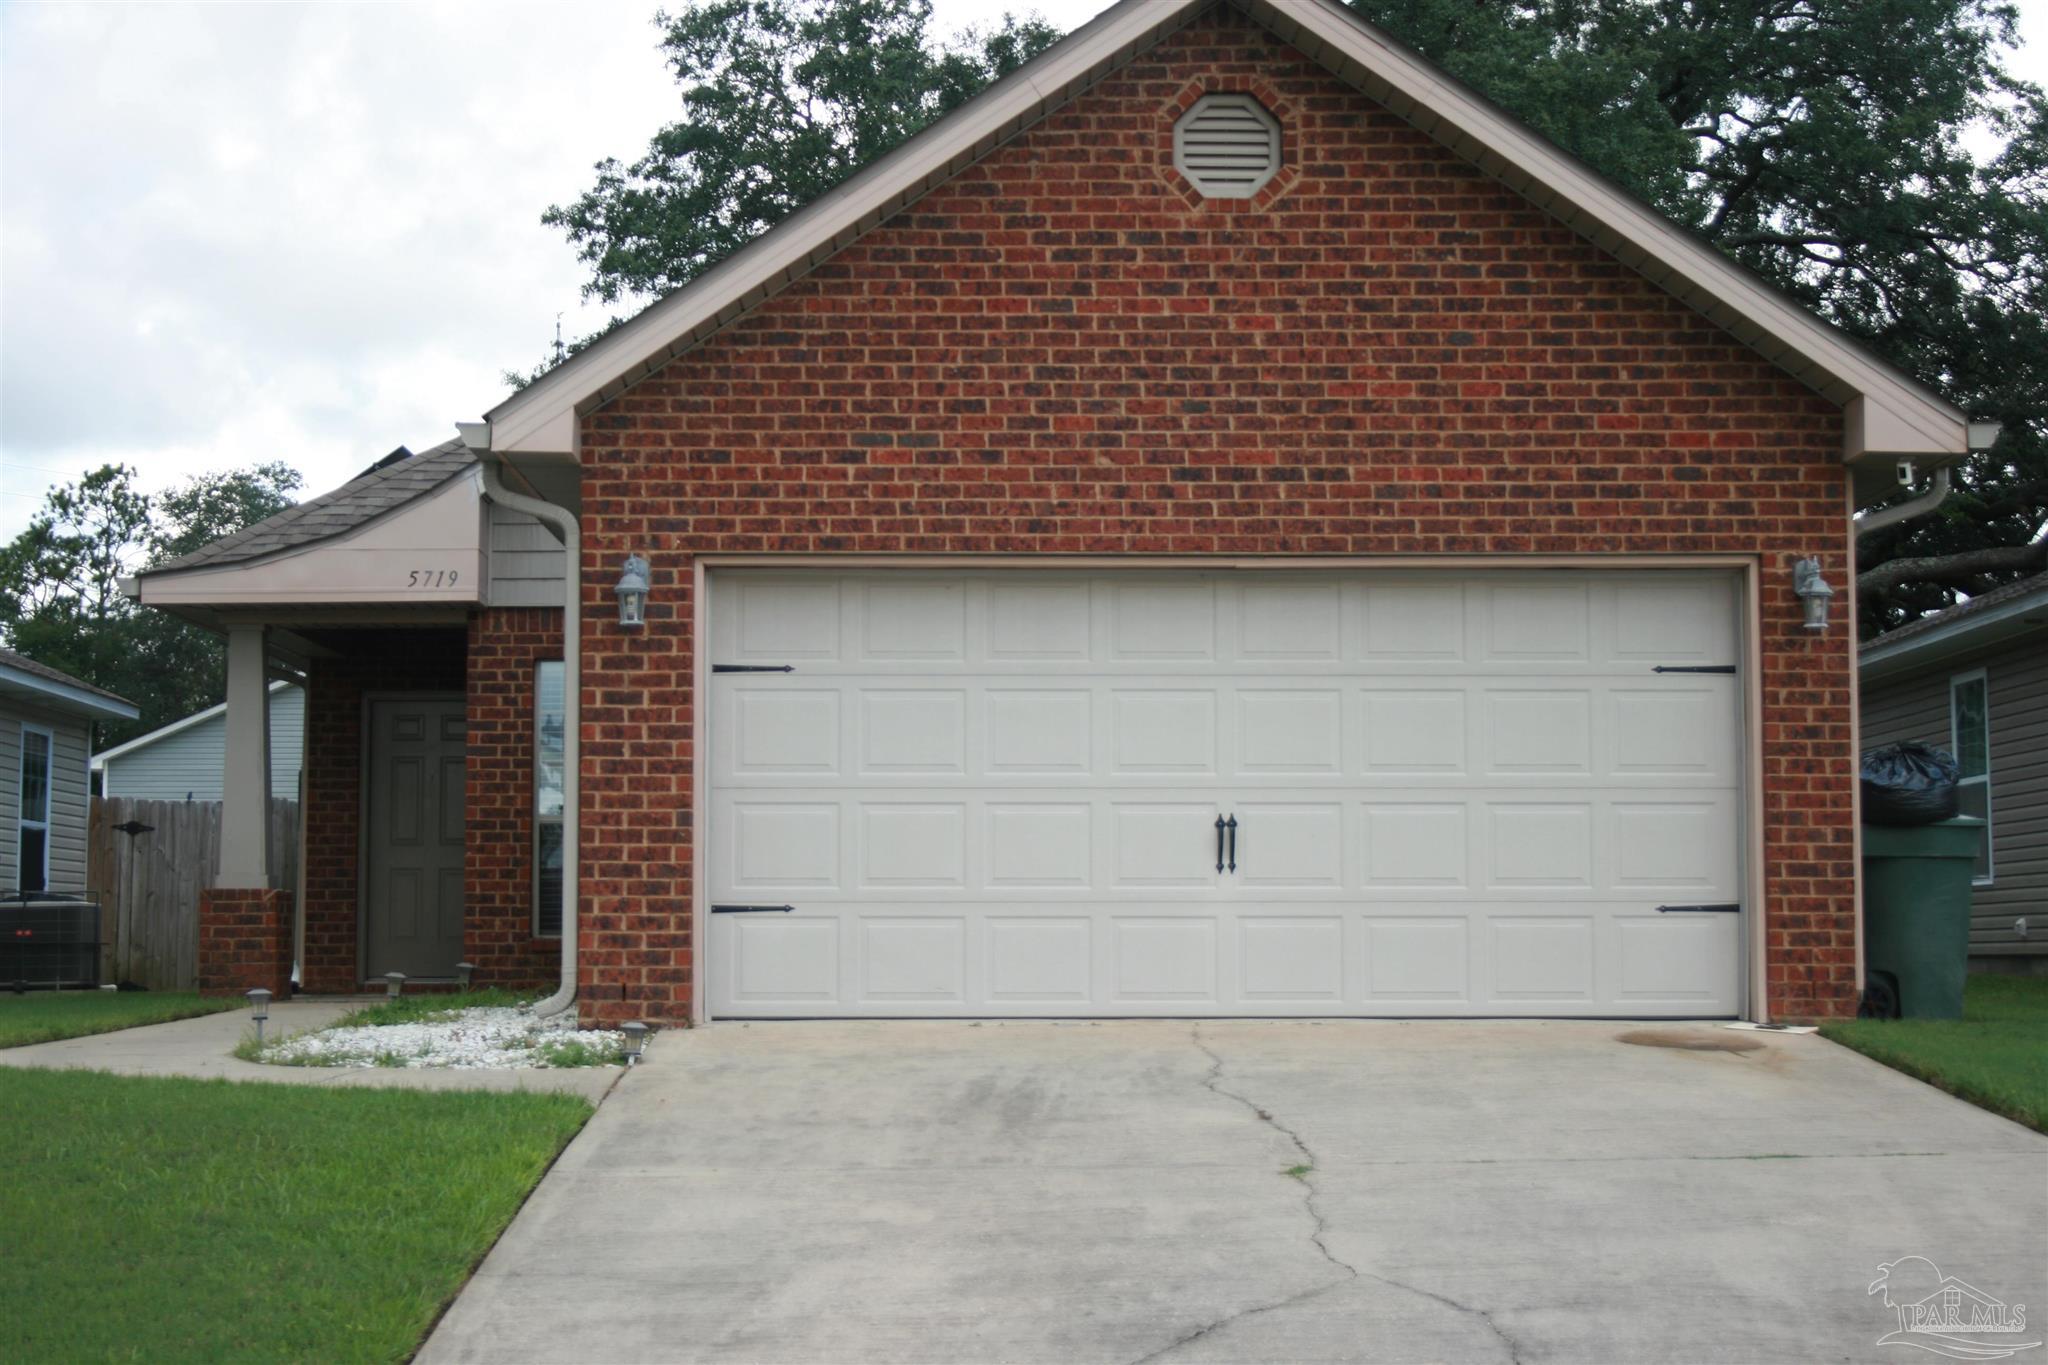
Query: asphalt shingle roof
(24,664)
(363,498)
(1962,611)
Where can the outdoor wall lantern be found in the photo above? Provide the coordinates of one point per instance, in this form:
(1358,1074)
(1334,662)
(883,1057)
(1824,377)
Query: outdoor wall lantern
(259,1010)
(632,591)
(463,971)
(636,1039)
(394,982)
(1814,592)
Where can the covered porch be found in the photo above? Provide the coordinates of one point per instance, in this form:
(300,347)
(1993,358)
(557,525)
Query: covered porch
(431,774)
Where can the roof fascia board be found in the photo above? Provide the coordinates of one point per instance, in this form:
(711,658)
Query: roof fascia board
(1893,414)
(1878,661)
(166,731)
(807,237)
(72,698)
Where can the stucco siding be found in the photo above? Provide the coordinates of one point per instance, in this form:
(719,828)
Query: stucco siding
(524,561)
(1916,707)
(188,764)
(69,753)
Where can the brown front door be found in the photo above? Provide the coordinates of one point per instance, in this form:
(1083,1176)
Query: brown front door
(412,893)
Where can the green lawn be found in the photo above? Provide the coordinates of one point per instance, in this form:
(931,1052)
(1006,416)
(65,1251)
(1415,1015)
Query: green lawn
(1995,1056)
(175,1220)
(42,1016)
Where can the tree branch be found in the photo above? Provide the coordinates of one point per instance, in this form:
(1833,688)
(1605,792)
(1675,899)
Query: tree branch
(1953,570)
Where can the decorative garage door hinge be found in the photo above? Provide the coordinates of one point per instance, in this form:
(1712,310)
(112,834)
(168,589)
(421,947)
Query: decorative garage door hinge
(753,668)
(1694,668)
(1733,908)
(751,909)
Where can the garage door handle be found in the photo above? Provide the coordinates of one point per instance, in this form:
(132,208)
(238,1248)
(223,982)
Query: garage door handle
(1231,825)
(1731,909)
(1219,845)
(751,909)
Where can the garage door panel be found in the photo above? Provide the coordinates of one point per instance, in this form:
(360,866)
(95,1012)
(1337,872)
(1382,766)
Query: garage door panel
(1290,960)
(1157,845)
(1671,963)
(1406,622)
(919,620)
(994,793)
(921,731)
(1036,846)
(778,846)
(921,845)
(1290,623)
(1154,731)
(919,961)
(1040,963)
(1038,731)
(1540,959)
(1290,846)
(1411,960)
(1163,959)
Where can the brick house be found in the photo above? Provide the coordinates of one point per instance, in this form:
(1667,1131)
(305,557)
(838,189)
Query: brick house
(1227,522)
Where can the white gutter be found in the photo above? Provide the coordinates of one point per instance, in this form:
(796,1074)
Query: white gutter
(564,522)
(1936,494)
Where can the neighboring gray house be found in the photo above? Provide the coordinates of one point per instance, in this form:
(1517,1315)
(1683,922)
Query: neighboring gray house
(46,722)
(1974,680)
(183,761)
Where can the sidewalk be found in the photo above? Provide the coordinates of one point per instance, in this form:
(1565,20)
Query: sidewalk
(202,1048)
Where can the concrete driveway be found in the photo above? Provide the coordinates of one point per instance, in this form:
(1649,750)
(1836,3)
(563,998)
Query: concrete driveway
(1251,1191)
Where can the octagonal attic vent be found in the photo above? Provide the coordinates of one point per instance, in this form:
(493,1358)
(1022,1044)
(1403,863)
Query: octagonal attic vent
(1227,146)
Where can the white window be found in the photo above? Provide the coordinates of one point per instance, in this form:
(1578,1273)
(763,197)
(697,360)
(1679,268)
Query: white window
(1969,723)
(550,725)
(32,838)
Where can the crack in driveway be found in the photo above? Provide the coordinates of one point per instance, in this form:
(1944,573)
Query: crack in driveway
(1304,1174)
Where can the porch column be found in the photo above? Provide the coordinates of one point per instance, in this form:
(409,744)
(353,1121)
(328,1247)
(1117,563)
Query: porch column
(245,782)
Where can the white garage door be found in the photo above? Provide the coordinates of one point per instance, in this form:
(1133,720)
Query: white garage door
(999,793)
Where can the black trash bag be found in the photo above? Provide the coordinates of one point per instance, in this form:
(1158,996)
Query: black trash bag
(1909,784)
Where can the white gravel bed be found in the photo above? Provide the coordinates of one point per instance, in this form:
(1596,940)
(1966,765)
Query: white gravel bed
(483,1038)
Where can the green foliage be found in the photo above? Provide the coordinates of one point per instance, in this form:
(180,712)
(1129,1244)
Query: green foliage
(782,99)
(60,603)
(176,1220)
(45,1016)
(1874,158)
(1995,1056)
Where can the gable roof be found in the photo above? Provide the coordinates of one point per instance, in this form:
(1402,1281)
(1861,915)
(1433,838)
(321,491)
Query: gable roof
(388,484)
(2006,612)
(24,678)
(1887,413)
(163,732)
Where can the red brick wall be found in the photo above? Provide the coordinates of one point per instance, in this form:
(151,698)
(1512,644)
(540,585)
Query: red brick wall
(245,941)
(1056,353)
(505,645)
(366,661)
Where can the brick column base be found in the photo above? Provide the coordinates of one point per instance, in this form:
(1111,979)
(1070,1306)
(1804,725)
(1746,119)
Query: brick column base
(245,941)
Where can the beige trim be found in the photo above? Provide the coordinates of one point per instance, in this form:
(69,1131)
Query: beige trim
(1757,924)
(1886,411)
(1748,567)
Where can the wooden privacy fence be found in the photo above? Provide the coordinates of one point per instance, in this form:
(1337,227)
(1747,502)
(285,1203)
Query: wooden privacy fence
(148,883)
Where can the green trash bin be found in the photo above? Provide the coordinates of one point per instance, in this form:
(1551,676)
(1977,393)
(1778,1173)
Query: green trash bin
(1916,911)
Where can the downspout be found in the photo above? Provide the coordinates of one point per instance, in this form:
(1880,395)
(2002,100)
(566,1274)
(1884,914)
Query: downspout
(564,523)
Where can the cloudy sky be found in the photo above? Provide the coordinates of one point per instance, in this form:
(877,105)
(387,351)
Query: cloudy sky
(232,233)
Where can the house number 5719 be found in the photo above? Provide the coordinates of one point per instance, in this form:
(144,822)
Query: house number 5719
(431,578)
